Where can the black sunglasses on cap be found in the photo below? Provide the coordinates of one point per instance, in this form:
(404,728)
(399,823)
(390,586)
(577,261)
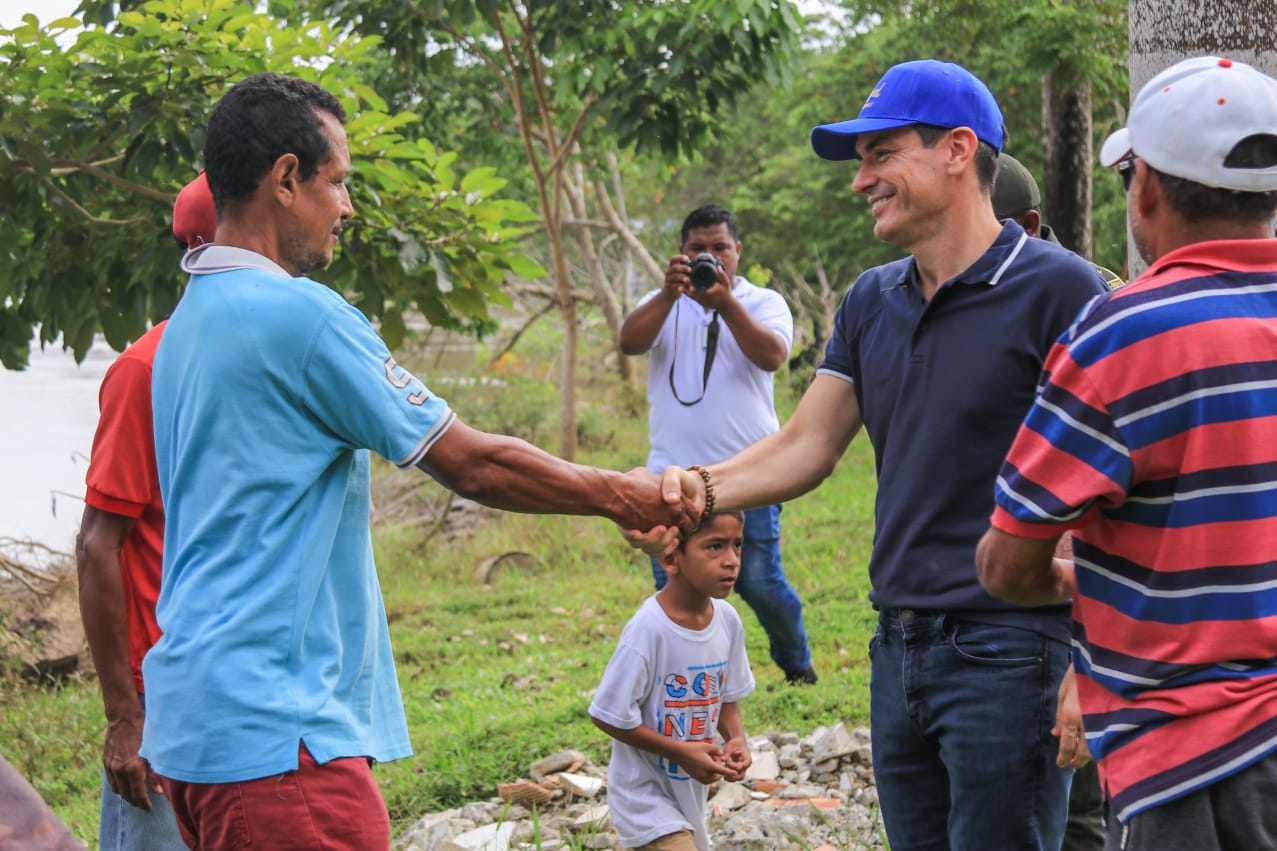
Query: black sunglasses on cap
(1126,171)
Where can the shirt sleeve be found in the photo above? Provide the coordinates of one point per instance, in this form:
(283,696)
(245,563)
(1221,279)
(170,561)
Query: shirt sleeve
(739,676)
(121,478)
(1068,456)
(772,312)
(355,386)
(619,699)
(841,346)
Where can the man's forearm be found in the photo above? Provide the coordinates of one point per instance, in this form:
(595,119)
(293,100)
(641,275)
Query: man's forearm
(1022,570)
(104,612)
(511,474)
(795,459)
(764,347)
(641,327)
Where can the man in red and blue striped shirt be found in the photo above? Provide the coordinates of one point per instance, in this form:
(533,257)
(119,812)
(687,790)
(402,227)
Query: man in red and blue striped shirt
(1154,439)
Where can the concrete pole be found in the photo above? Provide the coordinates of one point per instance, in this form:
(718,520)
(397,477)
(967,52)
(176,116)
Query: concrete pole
(1162,32)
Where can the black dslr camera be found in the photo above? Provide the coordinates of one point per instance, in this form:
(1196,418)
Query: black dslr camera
(703,270)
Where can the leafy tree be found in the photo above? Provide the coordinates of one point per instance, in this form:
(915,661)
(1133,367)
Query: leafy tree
(1047,62)
(578,82)
(98,132)
(798,215)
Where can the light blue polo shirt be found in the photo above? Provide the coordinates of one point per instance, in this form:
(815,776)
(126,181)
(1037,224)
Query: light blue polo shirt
(268,392)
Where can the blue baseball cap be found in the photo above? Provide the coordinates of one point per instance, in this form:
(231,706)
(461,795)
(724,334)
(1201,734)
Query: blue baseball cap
(925,91)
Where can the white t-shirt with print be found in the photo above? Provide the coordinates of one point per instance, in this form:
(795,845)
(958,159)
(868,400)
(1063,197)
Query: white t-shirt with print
(675,681)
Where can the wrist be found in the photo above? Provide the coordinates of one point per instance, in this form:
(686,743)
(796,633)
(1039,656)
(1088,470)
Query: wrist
(707,483)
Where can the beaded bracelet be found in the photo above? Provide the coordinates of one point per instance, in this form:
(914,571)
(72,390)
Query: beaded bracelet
(709,491)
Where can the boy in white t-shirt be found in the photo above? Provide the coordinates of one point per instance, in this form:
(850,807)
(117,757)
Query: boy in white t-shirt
(675,679)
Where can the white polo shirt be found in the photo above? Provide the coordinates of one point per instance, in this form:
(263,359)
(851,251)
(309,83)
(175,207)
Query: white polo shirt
(737,408)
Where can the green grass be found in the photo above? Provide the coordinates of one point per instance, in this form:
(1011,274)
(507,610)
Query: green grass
(497,676)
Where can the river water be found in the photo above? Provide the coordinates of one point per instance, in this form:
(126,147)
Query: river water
(48,413)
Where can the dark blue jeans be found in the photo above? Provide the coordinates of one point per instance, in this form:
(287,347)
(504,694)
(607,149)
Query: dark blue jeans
(960,718)
(764,588)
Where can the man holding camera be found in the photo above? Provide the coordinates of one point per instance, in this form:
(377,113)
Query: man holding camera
(715,341)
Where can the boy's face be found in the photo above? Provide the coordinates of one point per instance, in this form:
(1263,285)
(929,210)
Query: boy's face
(710,560)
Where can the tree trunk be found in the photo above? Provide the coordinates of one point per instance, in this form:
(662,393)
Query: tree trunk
(1066,131)
(1163,32)
(604,295)
(626,275)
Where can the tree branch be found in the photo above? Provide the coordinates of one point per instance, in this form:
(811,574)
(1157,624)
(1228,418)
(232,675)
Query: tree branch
(546,308)
(645,258)
(548,293)
(97,220)
(60,168)
(569,142)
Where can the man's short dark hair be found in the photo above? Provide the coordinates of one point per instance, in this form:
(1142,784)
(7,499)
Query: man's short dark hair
(1198,203)
(256,122)
(706,217)
(986,156)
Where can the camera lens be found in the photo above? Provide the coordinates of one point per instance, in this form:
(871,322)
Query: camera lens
(704,271)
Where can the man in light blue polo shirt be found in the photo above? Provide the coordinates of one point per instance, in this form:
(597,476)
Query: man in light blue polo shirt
(273,685)
(937,356)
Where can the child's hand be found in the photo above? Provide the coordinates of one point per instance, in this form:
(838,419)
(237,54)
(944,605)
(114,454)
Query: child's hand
(702,760)
(736,759)
(655,542)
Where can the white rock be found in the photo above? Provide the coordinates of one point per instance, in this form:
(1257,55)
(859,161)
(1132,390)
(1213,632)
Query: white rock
(766,766)
(489,837)
(730,796)
(834,743)
(592,817)
(581,784)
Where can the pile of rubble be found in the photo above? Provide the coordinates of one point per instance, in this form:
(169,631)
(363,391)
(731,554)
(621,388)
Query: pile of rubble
(815,792)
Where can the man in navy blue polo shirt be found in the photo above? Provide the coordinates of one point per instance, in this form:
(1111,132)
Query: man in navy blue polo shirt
(937,356)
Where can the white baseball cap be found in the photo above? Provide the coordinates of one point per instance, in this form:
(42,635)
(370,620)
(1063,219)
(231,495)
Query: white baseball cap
(1189,118)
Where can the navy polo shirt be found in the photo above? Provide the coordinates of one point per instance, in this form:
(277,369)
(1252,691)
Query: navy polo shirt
(943,387)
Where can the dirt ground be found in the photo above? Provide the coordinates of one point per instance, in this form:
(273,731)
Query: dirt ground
(40,630)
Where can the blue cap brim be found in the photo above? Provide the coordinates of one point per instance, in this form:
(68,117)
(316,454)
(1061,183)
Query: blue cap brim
(838,141)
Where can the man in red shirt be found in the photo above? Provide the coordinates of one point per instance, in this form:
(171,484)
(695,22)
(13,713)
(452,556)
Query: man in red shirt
(1151,440)
(118,556)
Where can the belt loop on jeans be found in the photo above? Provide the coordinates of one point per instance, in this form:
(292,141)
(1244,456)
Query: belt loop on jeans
(909,616)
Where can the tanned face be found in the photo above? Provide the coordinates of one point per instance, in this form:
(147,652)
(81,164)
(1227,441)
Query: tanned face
(709,561)
(321,206)
(903,181)
(717,240)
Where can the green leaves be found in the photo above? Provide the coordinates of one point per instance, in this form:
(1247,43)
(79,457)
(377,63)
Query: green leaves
(97,135)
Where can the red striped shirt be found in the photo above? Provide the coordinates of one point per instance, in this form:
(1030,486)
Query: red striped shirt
(1155,439)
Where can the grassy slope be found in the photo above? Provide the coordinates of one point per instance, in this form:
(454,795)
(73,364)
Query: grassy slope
(494,677)
(464,651)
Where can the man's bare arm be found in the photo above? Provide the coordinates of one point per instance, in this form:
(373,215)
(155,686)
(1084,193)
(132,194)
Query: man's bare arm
(508,473)
(103,610)
(764,347)
(1021,570)
(786,464)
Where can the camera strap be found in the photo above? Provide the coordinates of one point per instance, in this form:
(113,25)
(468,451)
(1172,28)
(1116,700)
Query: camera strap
(711,348)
